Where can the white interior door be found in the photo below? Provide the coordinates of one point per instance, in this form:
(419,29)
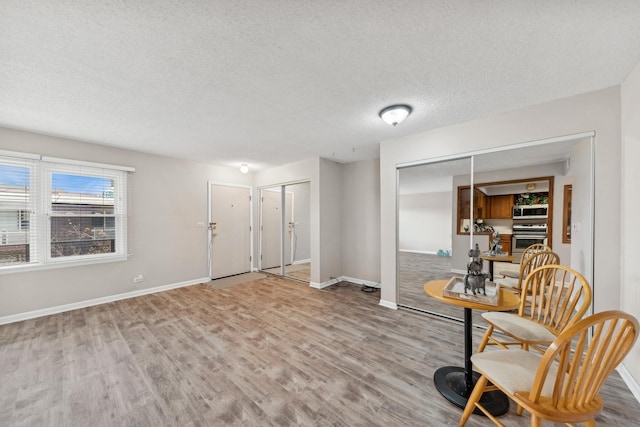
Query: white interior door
(231,234)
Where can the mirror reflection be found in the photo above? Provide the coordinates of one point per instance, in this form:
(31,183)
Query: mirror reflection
(285,230)
(271,229)
(425,222)
(443,211)
(297,232)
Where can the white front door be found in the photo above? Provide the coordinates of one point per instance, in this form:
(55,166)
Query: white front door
(231,230)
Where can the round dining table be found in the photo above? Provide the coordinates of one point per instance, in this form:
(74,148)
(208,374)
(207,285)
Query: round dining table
(499,258)
(455,383)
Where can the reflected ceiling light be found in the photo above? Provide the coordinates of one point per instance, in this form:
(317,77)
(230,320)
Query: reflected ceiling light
(531,186)
(244,168)
(395,114)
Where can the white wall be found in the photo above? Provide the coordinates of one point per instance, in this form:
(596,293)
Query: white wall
(599,111)
(361,220)
(630,236)
(168,199)
(425,222)
(582,250)
(330,211)
(325,182)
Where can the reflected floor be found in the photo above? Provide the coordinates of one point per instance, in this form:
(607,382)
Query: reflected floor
(300,271)
(414,270)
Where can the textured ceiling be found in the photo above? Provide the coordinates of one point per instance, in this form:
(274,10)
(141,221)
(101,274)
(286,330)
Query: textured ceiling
(269,82)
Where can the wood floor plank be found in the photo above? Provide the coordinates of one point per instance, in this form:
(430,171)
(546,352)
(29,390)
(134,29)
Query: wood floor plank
(269,352)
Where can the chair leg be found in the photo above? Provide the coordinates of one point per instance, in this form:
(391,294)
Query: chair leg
(535,421)
(485,339)
(473,399)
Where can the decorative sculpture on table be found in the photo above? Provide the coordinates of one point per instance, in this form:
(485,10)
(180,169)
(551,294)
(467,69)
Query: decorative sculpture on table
(496,247)
(475,278)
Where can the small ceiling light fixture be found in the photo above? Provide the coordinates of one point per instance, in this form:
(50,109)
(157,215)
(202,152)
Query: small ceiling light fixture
(531,186)
(395,114)
(244,168)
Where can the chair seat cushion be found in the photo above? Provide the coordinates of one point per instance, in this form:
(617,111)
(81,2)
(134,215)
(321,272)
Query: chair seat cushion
(514,370)
(510,273)
(508,282)
(519,327)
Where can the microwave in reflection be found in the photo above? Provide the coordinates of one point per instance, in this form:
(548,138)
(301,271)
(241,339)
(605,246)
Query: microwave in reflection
(530,211)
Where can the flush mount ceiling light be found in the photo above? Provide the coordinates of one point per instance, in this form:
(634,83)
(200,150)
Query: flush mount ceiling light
(395,114)
(244,168)
(531,186)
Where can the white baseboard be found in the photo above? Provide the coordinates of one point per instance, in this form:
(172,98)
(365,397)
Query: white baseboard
(301,261)
(344,279)
(414,251)
(359,281)
(388,304)
(323,285)
(96,301)
(629,381)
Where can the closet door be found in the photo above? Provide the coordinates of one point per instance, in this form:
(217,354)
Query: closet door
(297,231)
(427,212)
(448,195)
(270,229)
(285,230)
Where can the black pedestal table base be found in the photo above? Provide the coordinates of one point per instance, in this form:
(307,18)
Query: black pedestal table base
(451,382)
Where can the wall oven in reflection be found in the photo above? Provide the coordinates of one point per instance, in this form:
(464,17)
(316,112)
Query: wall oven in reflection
(520,242)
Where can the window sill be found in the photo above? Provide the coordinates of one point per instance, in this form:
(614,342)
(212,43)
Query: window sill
(24,268)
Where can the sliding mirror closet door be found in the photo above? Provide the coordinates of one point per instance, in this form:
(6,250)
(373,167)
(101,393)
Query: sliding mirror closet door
(485,190)
(427,211)
(285,230)
(533,176)
(440,218)
(271,229)
(297,231)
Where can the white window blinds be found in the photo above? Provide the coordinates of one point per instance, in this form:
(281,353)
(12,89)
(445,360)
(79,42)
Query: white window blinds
(18,199)
(58,211)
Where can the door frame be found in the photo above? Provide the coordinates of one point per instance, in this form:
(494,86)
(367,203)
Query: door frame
(208,234)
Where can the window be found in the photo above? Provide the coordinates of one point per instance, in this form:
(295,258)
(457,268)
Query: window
(85,212)
(53,212)
(16,209)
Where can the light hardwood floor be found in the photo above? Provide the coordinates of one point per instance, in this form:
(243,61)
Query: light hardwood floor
(296,271)
(269,352)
